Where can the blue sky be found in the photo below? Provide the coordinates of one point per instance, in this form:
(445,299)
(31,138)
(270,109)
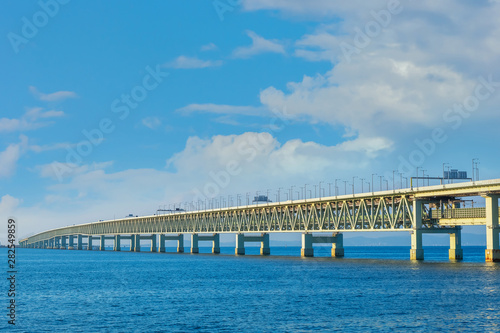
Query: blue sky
(293,92)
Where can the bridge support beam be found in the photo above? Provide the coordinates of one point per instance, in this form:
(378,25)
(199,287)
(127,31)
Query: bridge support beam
(337,241)
(455,252)
(79,242)
(89,243)
(63,242)
(57,242)
(116,243)
(102,243)
(194,243)
(137,242)
(71,245)
(180,242)
(492,252)
(215,239)
(417,251)
(263,239)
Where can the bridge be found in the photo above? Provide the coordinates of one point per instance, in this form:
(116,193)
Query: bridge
(417,210)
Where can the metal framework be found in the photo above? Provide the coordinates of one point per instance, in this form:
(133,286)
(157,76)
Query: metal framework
(378,211)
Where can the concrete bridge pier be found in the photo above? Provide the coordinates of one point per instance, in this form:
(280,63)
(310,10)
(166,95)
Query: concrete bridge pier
(116,243)
(492,252)
(337,241)
(137,243)
(102,243)
(417,251)
(455,252)
(180,242)
(63,242)
(154,240)
(195,239)
(57,242)
(79,242)
(263,239)
(194,244)
(89,243)
(71,244)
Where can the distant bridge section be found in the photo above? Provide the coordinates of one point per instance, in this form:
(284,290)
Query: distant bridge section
(417,210)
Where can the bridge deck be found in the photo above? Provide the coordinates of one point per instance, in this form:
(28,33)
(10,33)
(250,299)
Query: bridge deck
(374,211)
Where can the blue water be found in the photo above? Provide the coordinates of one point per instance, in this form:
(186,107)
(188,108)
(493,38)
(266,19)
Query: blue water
(371,289)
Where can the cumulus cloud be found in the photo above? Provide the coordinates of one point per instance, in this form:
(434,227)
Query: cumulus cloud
(259,45)
(52,97)
(183,62)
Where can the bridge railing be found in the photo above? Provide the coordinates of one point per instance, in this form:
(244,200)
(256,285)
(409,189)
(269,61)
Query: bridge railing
(459,213)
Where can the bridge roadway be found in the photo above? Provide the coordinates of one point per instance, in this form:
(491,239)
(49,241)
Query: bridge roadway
(418,210)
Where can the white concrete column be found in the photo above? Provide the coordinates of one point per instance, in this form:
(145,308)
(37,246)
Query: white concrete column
(492,252)
(240,244)
(456,252)
(338,246)
(194,243)
(264,246)
(180,244)
(307,245)
(102,243)
(161,247)
(79,242)
(417,252)
(116,244)
(216,244)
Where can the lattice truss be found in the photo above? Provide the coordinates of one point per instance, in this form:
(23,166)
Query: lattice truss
(357,214)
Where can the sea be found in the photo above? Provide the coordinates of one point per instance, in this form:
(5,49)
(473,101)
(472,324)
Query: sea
(371,289)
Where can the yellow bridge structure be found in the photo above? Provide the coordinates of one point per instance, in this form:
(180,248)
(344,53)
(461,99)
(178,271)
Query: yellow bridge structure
(417,210)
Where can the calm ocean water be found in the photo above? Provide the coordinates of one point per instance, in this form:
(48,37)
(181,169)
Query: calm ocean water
(371,289)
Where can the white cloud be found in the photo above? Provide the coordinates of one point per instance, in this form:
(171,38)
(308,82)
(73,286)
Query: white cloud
(60,171)
(259,45)
(52,97)
(151,122)
(92,192)
(223,109)
(209,47)
(10,156)
(183,62)
(49,147)
(29,121)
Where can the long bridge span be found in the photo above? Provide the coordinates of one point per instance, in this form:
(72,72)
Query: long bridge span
(418,210)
